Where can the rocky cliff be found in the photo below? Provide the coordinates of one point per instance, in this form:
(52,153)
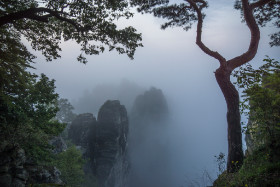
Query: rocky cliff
(110,143)
(18,170)
(104,143)
(79,131)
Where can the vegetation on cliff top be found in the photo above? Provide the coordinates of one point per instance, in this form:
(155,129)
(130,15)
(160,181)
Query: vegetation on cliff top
(262,105)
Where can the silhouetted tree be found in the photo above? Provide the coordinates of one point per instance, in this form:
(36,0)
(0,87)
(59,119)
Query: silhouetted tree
(255,13)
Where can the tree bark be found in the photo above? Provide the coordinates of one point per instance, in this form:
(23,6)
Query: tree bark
(235,151)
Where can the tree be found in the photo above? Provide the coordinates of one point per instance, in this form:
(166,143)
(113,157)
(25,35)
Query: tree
(70,163)
(27,116)
(65,113)
(45,23)
(261,104)
(255,13)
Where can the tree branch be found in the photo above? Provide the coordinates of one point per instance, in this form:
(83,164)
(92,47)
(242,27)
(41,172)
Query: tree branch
(199,42)
(77,26)
(31,13)
(255,38)
(259,3)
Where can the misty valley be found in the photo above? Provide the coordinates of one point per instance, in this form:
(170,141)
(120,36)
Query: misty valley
(113,147)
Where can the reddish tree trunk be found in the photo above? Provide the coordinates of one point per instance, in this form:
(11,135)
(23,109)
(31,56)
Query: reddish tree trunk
(235,151)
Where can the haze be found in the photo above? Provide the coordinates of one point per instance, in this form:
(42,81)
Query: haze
(170,61)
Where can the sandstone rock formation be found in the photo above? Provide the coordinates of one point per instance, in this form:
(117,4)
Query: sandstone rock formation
(109,145)
(79,131)
(104,143)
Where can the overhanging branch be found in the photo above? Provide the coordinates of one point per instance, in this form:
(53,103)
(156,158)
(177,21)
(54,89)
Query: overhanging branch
(32,13)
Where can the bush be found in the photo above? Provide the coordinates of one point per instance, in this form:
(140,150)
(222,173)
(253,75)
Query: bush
(70,163)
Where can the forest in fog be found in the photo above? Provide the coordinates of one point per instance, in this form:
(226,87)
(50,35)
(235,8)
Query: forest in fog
(132,93)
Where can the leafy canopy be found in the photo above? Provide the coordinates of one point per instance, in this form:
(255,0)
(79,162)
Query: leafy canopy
(46,23)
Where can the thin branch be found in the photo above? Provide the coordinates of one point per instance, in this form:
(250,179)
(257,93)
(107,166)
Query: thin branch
(255,38)
(77,26)
(204,4)
(199,42)
(259,3)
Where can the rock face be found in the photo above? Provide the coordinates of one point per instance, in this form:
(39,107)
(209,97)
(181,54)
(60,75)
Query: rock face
(79,133)
(148,142)
(80,128)
(109,144)
(104,143)
(44,175)
(17,170)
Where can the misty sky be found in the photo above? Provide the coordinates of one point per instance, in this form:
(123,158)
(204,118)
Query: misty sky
(171,61)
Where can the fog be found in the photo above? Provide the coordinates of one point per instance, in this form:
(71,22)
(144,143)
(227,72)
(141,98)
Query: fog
(170,61)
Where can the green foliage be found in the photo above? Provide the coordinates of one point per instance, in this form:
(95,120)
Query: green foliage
(27,115)
(70,163)
(262,100)
(14,59)
(257,171)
